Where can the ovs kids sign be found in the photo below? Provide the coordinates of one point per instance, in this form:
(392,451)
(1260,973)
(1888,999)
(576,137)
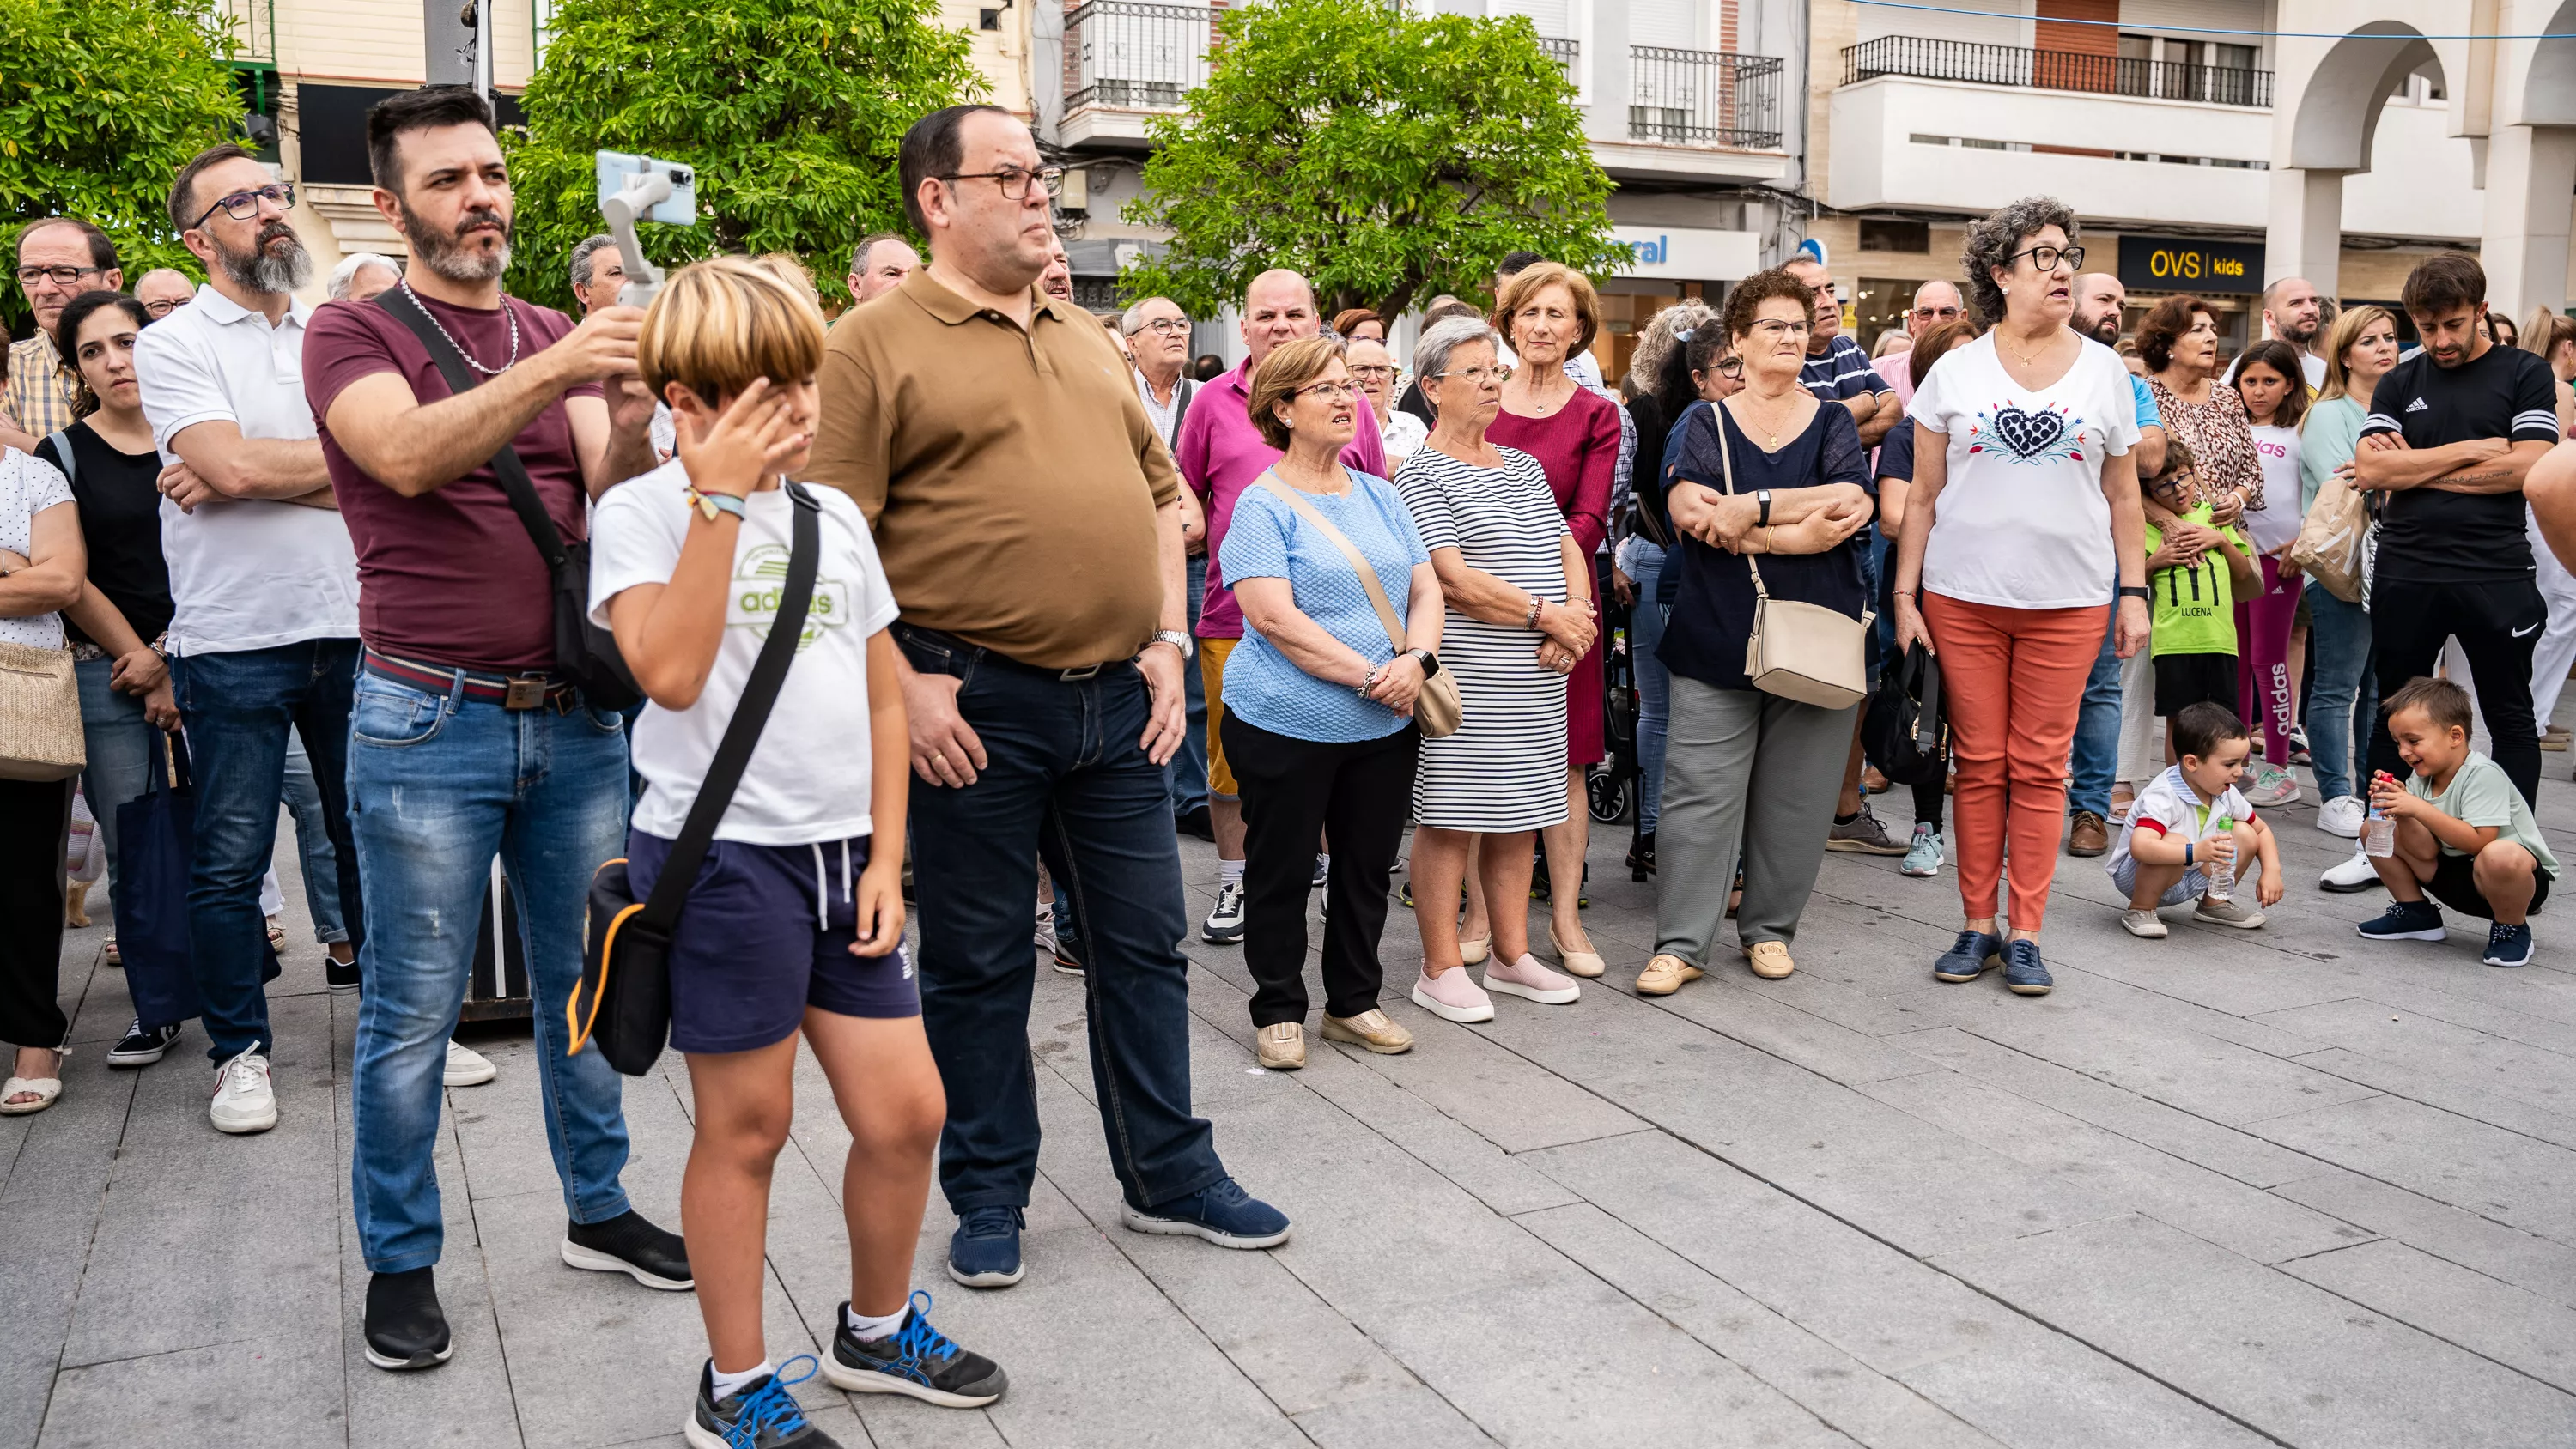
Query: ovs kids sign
(2179,264)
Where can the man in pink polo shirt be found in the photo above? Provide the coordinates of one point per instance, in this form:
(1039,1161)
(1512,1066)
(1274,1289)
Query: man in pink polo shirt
(1934,303)
(1219,456)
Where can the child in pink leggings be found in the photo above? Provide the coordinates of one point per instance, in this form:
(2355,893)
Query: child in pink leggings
(2273,382)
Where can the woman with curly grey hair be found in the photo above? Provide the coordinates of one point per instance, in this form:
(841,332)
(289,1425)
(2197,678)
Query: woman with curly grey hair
(2023,513)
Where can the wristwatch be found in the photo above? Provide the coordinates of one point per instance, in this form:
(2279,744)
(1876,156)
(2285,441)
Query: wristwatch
(1763,498)
(1174,637)
(1429,661)
(2137,591)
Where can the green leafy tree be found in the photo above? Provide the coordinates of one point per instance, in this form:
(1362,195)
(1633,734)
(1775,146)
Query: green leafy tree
(1387,156)
(789,110)
(101,101)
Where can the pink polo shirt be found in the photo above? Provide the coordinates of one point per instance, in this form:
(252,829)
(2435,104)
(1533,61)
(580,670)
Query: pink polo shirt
(1221,453)
(1898,369)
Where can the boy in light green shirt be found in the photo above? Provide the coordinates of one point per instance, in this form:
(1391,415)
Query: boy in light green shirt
(2463,833)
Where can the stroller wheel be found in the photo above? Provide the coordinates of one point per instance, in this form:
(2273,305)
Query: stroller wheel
(1606,794)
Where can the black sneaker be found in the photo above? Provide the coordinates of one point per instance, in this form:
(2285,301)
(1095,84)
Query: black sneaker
(141,1048)
(405,1329)
(339,975)
(915,1359)
(760,1415)
(630,1245)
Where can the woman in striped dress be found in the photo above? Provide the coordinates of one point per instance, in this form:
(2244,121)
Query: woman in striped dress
(1519,616)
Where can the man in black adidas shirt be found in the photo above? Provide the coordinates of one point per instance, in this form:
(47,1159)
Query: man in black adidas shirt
(2452,433)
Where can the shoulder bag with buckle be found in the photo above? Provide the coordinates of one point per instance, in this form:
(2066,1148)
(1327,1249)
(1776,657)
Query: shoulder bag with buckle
(1436,706)
(1799,651)
(626,943)
(584,653)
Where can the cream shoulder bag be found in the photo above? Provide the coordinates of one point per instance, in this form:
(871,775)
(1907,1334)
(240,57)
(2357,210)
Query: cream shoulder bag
(1804,652)
(1436,706)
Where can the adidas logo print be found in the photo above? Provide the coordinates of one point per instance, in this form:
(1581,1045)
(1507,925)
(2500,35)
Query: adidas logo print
(2417,406)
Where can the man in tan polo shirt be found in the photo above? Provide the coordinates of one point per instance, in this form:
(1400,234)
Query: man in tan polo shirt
(1030,522)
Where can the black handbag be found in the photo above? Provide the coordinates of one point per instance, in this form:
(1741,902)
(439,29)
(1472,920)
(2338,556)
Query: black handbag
(1903,731)
(626,944)
(584,652)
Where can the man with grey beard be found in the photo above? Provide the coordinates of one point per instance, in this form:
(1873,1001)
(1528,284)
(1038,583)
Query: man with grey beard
(263,643)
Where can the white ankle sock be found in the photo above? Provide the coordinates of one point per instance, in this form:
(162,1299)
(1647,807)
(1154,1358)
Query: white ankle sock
(727,1385)
(867,1329)
(1229,872)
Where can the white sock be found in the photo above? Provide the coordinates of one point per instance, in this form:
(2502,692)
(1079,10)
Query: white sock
(727,1385)
(1229,872)
(867,1329)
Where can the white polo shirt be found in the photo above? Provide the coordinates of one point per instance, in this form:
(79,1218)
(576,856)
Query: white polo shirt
(244,573)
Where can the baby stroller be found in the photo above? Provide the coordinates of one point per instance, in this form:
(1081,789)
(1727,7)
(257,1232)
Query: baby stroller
(1611,786)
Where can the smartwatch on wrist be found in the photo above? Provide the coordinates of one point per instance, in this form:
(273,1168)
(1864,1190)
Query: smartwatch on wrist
(1429,661)
(1763,519)
(2137,591)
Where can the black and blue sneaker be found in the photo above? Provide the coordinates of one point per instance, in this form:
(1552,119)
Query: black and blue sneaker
(2406,921)
(2024,973)
(1223,1214)
(759,1415)
(984,1252)
(2508,945)
(1969,957)
(915,1359)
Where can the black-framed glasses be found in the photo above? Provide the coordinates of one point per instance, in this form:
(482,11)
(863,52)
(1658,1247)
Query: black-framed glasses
(2045,257)
(243,205)
(1732,367)
(160,307)
(1014,180)
(59,276)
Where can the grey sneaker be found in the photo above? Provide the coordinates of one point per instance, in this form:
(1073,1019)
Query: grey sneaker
(2145,925)
(2227,913)
(1864,833)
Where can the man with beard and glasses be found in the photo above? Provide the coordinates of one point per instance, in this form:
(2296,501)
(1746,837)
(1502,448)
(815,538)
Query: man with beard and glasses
(263,638)
(58,259)
(2293,312)
(468,738)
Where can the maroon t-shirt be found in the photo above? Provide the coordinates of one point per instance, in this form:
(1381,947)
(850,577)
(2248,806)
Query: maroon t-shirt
(451,577)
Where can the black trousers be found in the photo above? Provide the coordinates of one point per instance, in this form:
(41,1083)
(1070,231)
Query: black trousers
(35,824)
(2497,623)
(1293,790)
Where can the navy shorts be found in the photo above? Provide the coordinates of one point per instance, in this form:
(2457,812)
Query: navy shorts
(766,933)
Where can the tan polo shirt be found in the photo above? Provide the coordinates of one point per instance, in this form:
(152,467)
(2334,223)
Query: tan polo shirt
(1011,477)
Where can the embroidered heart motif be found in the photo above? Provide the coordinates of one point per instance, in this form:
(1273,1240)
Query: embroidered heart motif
(2028,434)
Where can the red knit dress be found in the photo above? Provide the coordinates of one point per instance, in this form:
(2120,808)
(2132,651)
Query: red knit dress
(1578,445)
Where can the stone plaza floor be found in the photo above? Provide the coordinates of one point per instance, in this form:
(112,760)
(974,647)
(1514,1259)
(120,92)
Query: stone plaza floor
(2284,1187)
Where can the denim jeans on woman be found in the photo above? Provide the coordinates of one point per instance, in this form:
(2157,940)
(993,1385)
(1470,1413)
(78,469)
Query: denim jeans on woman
(1654,683)
(119,740)
(2346,687)
(313,842)
(438,784)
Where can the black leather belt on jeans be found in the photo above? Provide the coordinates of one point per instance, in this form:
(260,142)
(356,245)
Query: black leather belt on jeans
(512,692)
(961,653)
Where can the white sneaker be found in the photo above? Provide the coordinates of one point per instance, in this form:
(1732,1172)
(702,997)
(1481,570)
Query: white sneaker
(2269,784)
(2342,816)
(244,1101)
(1224,925)
(467,1067)
(2356,874)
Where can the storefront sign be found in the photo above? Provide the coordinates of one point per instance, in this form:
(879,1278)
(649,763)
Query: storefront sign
(1689,254)
(2175,264)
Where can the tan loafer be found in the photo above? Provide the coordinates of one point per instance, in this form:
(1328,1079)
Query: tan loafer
(1586,964)
(1281,1046)
(1770,959)
(1665,975)
(1372,1029)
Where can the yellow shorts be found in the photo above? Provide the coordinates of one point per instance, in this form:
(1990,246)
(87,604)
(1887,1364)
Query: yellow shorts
(1212,656)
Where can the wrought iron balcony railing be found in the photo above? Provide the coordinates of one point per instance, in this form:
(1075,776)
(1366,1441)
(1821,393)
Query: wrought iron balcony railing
(1130,55)
(2054,70)
(1703,98)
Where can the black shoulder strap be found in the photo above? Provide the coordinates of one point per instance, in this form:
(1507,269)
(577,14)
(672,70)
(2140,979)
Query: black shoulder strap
(750,714)
(505,463)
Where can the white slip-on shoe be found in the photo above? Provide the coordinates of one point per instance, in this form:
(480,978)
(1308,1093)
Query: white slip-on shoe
(467,1067)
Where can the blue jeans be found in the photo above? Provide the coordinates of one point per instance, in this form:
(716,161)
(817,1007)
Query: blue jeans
(241,709)
(2096,756)
(1188,765)
(119,740)
(1654,684)
(1065,762)
(313,842)
(437,784)
(2346,686)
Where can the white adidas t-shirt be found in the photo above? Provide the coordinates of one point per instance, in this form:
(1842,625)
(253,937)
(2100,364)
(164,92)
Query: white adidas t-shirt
(2021,522)
(809,778)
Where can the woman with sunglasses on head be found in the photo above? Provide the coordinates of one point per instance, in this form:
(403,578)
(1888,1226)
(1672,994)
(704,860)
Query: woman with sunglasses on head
(2022,521)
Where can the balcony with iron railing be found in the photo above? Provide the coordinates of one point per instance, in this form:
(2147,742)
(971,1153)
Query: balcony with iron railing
(2054,70)
(1128,55)
(1703,98)
(252,26)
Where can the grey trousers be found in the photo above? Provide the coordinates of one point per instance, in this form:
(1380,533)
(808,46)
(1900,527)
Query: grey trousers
(1740,766)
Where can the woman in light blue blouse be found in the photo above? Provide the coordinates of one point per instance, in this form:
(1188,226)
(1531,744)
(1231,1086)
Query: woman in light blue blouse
(1319,702)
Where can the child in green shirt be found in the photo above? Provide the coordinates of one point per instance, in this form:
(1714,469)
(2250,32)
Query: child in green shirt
(2464,834)
(2194,571)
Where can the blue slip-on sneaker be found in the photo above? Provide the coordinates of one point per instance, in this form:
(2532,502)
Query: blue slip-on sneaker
(984,1252)
(915,1359)
(761,1415)
(1223,1214)
(2508,945)
(2024,972)
(2406,921)
(1969,957)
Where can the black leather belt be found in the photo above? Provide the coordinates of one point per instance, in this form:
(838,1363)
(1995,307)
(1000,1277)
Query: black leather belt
(513,691)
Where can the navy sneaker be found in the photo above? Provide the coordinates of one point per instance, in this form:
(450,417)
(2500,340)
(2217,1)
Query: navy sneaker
(915,1359)
(1223,1214)
(760,1415)
(1969,957)
(2406,921)
(2024,973)
(984,1252)
(2508,945)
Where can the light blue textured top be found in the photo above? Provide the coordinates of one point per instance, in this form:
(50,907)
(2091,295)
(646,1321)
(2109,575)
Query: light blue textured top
(1268,540)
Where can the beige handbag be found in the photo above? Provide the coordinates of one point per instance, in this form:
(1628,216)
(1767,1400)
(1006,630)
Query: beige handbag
(1436,706)
(1804,652)
(2328,548)
(40,718)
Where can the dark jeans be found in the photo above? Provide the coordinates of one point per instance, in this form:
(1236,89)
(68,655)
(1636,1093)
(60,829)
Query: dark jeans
(1293,790)
(239,707)
(2497,623)
(1064,759)
(35,825)
(2095,760)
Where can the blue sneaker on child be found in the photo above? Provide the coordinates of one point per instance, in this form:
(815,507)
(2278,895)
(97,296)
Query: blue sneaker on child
(2406,921)
(916,1359)
(2508,945)
(984,1252)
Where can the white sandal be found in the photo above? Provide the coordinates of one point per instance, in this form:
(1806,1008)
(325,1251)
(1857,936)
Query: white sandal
(48,1090)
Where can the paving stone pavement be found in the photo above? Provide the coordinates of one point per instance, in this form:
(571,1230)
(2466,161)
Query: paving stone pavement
(2281,1187)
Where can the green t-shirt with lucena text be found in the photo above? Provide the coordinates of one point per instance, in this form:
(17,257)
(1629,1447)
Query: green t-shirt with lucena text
(2193,610)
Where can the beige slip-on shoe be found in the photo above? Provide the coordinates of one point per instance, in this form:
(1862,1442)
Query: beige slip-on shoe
(1372,1029)
(1770,959)
(1281,1046)
(1665,975)
(1577,963)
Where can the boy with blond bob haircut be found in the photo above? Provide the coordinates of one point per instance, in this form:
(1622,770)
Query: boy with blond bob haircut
(2464,834)
(2171,841)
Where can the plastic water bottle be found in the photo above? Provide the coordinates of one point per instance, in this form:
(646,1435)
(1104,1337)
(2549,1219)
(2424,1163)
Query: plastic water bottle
(2378,831)
(2221,873)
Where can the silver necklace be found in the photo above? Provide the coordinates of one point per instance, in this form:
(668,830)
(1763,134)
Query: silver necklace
(459,346)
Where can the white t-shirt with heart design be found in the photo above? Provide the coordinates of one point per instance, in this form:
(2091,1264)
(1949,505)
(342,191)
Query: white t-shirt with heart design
(2021,522)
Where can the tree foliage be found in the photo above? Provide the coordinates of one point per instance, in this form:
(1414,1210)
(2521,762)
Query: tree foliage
(101,102)
(789,110)
(1388,156)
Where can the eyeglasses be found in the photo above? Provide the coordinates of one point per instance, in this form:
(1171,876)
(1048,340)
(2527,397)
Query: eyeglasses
(1727,367)
(1164,326)
(2045,258)
(1330,391)
(1475,376)
(1776,329)
(60,276)
(243,205)
(161,306)
(1372,369)
(1014,180)
(1926,314)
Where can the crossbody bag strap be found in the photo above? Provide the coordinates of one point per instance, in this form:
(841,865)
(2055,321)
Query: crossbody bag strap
(1386,619)
(1726,457)
(62,442)
(513,474)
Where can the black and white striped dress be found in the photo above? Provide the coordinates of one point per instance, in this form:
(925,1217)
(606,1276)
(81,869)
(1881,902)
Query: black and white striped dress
(1504,769)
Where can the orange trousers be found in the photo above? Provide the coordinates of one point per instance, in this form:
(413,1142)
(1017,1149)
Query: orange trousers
(2012,681)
